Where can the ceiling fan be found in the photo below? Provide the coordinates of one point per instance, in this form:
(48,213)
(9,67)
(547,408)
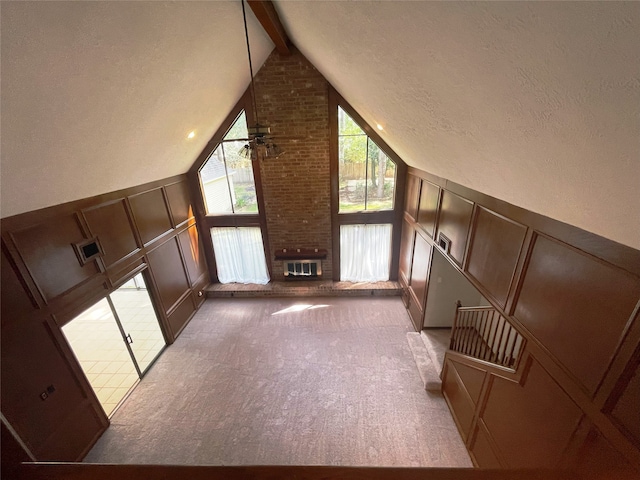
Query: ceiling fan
(260,143)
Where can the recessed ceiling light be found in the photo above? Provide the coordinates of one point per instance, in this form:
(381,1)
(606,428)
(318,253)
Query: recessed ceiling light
(191,134)
(380,127)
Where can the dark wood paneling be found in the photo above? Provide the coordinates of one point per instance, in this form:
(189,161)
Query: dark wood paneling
(88,471)
(48,253)
(454,222)
(420,269)
(412,196)
(530,423)
(179,202)
(168,273)
(596,456)
(13,454)
(22,220)
(39,262)
(482,450)
(568,301)
(472,379)
(428,209)
(16,302)
(119,275)
(111,223)
(406,251)
(245,220)
(193,254)
(576,306)
(198,296)
(31,362)
(415,312)
(92,288)
(180,316)
(151,214)
(494,252)
(627,410)
(625,257)
(620,255)
(459,402)
(70,442)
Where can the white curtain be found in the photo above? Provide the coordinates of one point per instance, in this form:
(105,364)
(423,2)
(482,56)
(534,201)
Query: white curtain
(239,255)
(365,253)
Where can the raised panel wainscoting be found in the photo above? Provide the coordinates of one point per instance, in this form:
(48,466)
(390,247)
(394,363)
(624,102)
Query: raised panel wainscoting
(46,397)
(573,297)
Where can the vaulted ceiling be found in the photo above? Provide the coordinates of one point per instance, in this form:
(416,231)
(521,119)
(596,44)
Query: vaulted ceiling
(535,103)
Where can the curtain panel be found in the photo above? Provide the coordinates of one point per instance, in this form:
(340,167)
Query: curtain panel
(365,253)
(239,255)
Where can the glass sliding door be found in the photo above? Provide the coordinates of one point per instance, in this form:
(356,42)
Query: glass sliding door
(139,323)
(116,341)
(96,341)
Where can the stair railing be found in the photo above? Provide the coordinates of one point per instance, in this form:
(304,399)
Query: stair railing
(483,333)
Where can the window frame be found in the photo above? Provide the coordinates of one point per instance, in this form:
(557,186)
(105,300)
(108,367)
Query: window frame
(225,164)
(207,221)
(394,216)
(368,141)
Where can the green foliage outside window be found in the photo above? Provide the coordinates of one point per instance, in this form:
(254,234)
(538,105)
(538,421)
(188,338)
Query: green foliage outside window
(366,173)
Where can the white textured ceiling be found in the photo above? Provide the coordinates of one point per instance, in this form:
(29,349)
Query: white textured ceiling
(535,103)
(99,96)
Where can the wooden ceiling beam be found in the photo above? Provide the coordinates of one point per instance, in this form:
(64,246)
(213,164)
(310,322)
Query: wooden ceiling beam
(266,14)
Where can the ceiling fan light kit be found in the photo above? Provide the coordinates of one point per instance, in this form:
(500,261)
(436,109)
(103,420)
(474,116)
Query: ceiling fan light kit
(259,130)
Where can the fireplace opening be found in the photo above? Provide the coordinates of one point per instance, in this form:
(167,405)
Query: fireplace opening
(302,269)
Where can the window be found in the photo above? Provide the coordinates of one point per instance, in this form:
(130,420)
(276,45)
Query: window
(226,178)
(367,189)
(365,253)
(239,255)
(367,176)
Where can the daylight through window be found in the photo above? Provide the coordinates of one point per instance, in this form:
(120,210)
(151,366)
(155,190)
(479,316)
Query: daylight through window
(226,178)
(367,176)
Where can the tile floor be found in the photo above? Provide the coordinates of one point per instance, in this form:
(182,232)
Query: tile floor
(139,320)
(97,342)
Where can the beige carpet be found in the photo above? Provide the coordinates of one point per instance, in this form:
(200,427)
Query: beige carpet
(325,381)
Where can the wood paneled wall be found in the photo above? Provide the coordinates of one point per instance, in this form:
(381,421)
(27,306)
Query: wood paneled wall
(573,295)
(149,228)
(88,471)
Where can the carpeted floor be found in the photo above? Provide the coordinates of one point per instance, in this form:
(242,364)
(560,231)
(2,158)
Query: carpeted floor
(323,381)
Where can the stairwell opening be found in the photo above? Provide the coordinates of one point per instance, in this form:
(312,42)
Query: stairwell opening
(446,287)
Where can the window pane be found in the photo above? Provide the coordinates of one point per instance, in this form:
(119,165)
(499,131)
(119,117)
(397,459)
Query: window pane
(365,253)
(381,179)
(139,321)
(214,184)
(97,343)
(230,190)
(239,255)
(346,125)
(352,161)
(238,129)
(240,172)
